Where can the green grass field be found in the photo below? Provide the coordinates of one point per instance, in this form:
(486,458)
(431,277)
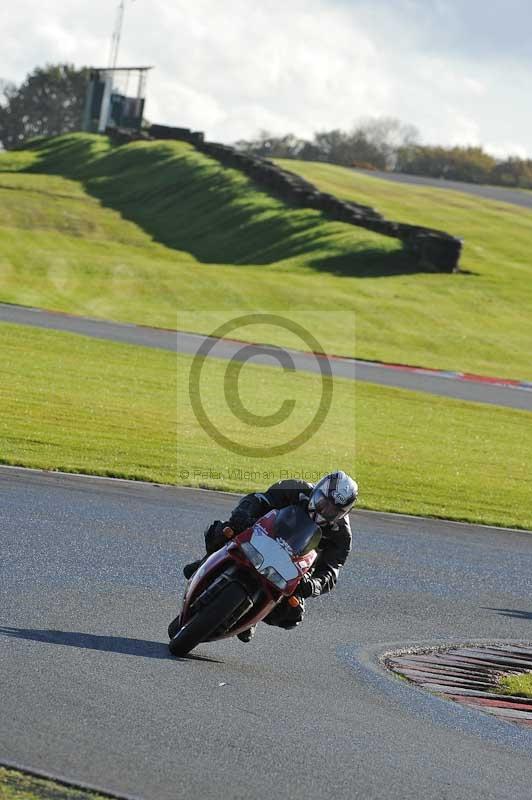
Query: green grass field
(15,785)
(516,685)
(156,233)
(146,232)
(76,404)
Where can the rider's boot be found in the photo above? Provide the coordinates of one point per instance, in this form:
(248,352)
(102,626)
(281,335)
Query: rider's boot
(247,636)
(190,569)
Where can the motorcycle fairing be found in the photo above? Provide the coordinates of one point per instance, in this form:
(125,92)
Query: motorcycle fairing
(215,565)
(263,595)
(291,565)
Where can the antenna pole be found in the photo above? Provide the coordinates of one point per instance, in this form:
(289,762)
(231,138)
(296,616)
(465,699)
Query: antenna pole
(117,33)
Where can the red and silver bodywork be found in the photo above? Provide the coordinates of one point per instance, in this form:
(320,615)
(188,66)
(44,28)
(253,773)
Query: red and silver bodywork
(268,560)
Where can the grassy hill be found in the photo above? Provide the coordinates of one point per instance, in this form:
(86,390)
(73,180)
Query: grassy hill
(157,233)
(148,231)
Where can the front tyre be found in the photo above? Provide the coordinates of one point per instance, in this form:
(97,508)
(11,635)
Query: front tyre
(208,619)
(174,627)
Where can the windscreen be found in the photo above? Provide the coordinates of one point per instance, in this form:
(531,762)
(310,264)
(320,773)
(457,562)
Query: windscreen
(294,525)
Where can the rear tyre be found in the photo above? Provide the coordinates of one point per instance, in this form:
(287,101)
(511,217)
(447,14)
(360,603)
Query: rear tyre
(207,619)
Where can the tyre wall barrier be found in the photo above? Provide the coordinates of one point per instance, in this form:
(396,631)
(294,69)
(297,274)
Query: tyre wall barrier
(431,249)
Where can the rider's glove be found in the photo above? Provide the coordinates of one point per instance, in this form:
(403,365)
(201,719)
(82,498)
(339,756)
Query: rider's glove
(214,536)
(308,587)
(240,520)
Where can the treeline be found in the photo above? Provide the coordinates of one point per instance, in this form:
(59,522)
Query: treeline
(470,164)
(390,145)
(373,143)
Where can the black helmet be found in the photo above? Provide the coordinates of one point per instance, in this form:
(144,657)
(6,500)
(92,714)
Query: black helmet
(332,498)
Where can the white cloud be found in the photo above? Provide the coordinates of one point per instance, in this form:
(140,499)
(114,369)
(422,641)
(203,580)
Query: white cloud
(232,67)
(475,87)
(507,148)
(464,130)
(287,69)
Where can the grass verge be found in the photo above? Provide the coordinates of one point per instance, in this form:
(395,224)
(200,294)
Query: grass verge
(516,685)
(488,308)
(143,232)
(15,785)
(80,405)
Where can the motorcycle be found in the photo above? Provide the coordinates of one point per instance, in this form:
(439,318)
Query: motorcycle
(240,584)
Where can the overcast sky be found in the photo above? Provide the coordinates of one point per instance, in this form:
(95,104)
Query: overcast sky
(460,70)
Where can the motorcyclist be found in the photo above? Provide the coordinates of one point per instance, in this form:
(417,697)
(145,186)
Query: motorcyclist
(328,503)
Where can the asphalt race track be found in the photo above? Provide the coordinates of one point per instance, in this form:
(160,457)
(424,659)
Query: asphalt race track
(516,197)
(189,343)
(89,570)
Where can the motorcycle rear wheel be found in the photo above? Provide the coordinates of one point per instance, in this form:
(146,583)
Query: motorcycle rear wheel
(207,619)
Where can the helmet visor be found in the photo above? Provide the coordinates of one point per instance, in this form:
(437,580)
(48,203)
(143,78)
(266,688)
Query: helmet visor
(326,508)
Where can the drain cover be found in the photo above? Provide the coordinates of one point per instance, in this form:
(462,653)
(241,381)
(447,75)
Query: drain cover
(468,675)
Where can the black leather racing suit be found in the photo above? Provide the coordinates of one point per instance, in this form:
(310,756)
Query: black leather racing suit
(332,551)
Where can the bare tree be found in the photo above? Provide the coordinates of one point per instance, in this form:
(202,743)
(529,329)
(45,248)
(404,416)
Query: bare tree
(388,135)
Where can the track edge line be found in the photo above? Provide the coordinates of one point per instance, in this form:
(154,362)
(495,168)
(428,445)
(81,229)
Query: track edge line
(154,484)
(67,782)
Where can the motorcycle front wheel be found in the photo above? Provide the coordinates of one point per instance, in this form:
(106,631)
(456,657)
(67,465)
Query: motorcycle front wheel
(174,627)
(208,619)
